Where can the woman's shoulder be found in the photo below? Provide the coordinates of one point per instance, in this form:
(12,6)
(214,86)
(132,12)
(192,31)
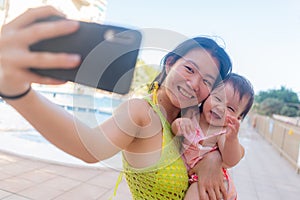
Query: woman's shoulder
(135,108)
(137,104)
(139,112)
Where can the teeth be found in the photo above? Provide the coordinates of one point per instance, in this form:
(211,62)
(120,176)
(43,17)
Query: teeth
(217,115)
(184,93)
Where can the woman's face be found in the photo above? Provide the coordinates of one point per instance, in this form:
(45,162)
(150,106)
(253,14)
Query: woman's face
(190,79)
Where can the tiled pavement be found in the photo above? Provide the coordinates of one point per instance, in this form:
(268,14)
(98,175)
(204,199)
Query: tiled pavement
(262,175)
(23,178)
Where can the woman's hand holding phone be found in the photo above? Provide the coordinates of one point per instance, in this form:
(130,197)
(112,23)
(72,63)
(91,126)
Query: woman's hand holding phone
(59,50)
(17,36)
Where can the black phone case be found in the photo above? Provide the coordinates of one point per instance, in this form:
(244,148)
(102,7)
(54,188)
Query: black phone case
(108,53)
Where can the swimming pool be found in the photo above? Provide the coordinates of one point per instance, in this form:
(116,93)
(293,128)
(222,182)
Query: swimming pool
(19,137)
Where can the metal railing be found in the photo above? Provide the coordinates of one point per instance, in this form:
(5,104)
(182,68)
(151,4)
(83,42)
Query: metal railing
(284,136)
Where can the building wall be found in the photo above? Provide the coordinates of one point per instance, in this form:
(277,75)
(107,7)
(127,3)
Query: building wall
(85,10)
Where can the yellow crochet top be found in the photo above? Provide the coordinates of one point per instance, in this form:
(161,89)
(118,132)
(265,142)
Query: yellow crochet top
(168,178)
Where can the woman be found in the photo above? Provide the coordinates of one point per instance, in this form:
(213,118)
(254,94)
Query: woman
(139,127)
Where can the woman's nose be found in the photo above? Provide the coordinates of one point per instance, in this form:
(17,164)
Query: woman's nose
(195,84)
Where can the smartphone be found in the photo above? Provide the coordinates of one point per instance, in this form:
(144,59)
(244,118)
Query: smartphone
(109,54)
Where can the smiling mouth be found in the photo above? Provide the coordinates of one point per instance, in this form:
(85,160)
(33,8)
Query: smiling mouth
(216,115)
(183,92)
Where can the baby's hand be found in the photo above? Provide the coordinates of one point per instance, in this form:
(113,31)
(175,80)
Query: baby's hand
(232,128)
(183,126)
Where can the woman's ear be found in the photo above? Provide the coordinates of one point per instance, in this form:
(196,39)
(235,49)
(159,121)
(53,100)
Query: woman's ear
(169,63)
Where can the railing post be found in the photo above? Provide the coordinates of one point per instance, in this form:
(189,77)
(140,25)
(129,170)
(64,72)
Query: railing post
(282,142)
(298,161)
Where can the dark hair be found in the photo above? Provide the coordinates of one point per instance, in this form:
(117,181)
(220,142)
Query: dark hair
(244,88)
(198,42)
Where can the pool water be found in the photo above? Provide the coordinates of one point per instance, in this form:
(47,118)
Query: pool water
(19,137)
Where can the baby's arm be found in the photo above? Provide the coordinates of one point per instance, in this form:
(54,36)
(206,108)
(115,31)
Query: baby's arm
(187,123)
(182,126)
(231,149)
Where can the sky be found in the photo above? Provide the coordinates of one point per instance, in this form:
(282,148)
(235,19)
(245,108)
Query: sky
(262,37)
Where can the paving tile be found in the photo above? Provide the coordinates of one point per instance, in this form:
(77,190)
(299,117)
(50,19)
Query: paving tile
(61,183)
(83,191)
(76,173)
(37,176)
(15,184)
(20,167)
(40,192)
(4,194)
(106,179)
(16,197)
(4,175)
(119,196)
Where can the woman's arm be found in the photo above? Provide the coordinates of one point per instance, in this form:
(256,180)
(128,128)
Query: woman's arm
(74,137)
(53,122)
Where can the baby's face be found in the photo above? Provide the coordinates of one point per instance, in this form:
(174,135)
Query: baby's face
(222,102)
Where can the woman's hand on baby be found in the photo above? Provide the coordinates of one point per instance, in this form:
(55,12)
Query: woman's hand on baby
(210,177)
(16,58)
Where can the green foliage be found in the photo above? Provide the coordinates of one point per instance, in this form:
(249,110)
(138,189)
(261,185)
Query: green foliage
(143,75)
(283,94)
(270,106)
(283,101)
(288,111)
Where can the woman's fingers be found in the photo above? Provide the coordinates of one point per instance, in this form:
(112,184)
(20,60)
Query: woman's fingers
(218,194)
(23,32)
(49,29)
(16,57)
(46,60)
(203,195)
(45,80)
(32,15)
(26,75)
(222,193)
(211,194)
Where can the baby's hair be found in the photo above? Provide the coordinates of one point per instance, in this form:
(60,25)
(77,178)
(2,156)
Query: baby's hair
(240,85)
(244,88)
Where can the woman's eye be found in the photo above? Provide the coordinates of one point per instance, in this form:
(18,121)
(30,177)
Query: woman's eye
(208,83)
(189,69)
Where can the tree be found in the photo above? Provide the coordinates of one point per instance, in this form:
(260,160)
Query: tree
(270,106)
(288,111)
(283,94)
(283,101)
(143,75)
